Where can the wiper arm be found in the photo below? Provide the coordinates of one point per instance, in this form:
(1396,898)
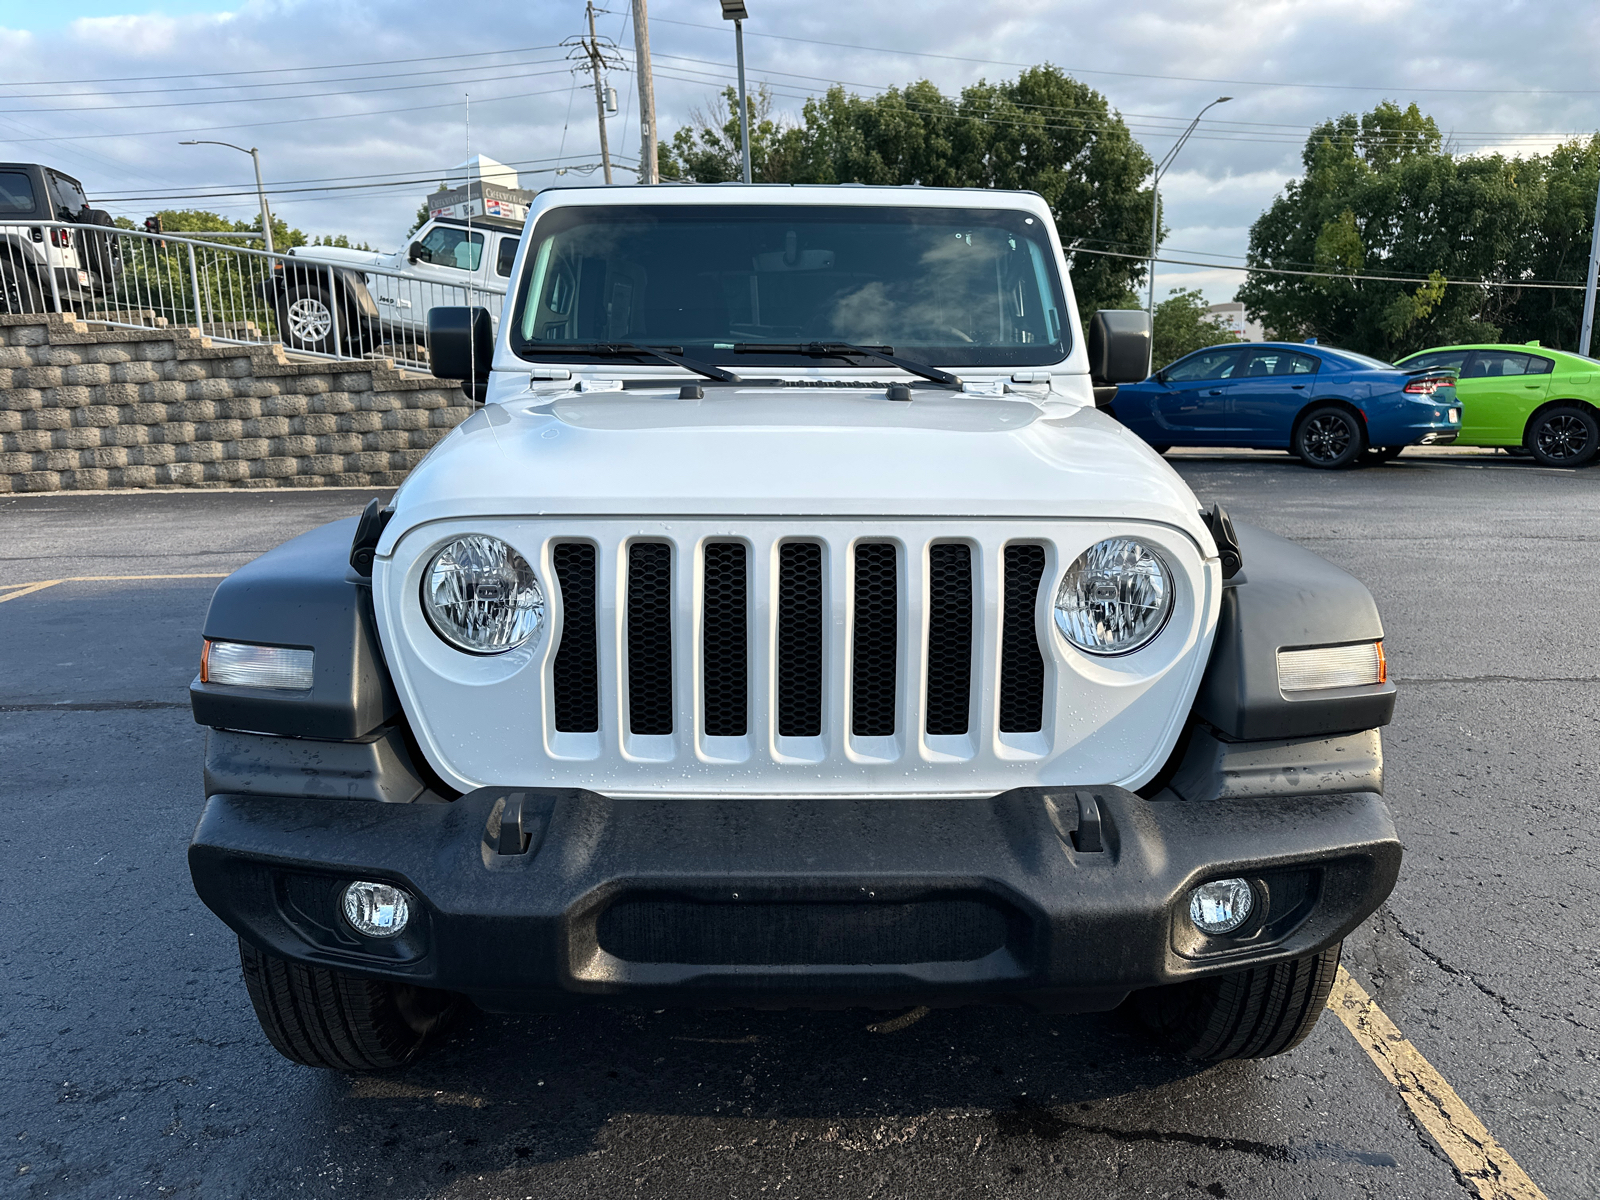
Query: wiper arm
(847,350)
(667,354)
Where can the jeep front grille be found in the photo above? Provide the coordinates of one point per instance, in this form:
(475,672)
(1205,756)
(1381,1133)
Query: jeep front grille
(716,680)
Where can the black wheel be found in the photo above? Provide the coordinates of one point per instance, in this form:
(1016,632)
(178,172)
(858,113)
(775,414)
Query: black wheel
(305,319)
(1563,436)
(1251,1014)
(323,1018)
(19,293)
(1379,454)
(1329,437)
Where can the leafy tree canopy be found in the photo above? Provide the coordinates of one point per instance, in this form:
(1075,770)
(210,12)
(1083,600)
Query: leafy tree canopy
(1382,195)
(1042,131)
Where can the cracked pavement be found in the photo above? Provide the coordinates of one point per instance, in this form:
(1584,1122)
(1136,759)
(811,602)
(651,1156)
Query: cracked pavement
(135,1067)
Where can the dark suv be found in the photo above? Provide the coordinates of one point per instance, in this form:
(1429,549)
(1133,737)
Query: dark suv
(81,262)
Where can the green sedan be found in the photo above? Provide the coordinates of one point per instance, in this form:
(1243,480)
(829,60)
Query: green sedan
(1544,401)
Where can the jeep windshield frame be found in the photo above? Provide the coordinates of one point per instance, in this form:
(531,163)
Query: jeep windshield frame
(958,286)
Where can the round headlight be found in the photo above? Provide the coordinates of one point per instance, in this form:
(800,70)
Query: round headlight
(481,596)
(1114,598)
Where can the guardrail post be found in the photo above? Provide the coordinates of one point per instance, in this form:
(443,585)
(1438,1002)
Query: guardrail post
(333,312)
(194,286)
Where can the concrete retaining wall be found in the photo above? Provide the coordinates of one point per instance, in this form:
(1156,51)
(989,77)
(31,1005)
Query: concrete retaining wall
(84,409)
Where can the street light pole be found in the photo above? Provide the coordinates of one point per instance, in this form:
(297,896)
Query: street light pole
(261,190)
(734,10)
(1586,330)
(1155,195)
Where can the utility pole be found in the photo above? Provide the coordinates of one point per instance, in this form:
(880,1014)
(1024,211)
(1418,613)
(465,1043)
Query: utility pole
(595,63)
(1586,330)
(649,165)
(734,10)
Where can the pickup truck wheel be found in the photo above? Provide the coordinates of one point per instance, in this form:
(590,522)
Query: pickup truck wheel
(1329,437)
(305,320)
(18,292)
(1563,436)
(1250,1014)
(323,1018)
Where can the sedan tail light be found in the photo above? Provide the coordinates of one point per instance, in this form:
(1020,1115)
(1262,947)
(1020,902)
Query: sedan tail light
(1429,385)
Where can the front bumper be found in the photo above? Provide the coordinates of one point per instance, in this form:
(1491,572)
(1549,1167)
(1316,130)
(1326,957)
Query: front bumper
(804,902)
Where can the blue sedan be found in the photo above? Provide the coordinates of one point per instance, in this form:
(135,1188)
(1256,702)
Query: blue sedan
(1327,407)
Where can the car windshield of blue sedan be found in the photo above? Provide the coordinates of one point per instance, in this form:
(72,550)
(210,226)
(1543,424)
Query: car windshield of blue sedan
(941,285)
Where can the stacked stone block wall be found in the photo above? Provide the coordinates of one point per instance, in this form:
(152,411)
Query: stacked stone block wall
(84,408)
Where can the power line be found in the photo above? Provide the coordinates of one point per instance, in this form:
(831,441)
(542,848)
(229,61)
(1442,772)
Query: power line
(1181,262)
(996,62)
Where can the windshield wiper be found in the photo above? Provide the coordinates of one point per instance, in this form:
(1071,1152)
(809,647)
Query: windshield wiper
(667,354)
(847,350)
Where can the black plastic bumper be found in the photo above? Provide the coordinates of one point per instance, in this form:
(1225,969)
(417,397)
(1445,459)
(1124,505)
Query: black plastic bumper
(806,902)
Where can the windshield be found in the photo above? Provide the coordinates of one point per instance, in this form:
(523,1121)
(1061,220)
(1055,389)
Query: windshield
(941,285)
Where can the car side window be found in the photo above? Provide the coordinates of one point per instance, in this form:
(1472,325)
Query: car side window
(1443,360)
(1206,364)
(1540,366)
(507,255)
(447,247)
(1272,361)
(16,193)
(1495,364)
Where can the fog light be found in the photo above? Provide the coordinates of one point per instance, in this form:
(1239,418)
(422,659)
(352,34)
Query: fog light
(377,910)
(1221,906)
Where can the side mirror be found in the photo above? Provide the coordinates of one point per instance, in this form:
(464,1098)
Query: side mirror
(1119,345)
(461,346)
(417,250)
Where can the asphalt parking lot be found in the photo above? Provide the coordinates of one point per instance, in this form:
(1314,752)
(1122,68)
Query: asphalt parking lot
(134,1066)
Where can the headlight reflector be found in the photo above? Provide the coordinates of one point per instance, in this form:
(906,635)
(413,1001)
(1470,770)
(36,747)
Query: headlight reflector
(481,596)
(1115,598)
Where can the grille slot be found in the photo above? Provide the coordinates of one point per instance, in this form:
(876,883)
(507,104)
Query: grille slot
(949,638)
(575,675)
(650,638)
(800,624)
(876,639)
(672,929)
(1021,664)
(725,641)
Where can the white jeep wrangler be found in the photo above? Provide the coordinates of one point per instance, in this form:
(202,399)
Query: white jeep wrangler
(789,628)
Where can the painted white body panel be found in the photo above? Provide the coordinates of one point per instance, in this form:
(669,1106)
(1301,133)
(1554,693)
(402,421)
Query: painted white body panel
(1031,462)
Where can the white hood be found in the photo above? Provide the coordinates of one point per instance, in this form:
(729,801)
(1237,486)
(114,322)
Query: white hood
(793,451)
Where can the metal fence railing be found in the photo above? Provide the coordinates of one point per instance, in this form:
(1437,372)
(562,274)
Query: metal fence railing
(130,278)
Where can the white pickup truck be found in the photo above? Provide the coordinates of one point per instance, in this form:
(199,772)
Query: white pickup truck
(345,301)
(790,628)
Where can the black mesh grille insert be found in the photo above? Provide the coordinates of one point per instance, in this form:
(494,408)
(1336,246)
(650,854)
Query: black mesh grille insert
(725,640)
(800,606)
(672,929)
(650,638)
(949,638)
(1021,664)
(575,678)
(877,623)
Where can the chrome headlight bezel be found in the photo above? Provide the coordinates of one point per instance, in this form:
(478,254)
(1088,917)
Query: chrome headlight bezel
(460,579)
(1116,578)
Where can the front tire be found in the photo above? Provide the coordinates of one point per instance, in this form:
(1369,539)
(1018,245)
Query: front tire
(323,1018)
(1564,436)
(1253,1013)
(1329,438)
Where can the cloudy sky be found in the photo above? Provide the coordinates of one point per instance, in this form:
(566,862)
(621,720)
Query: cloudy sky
(355,106)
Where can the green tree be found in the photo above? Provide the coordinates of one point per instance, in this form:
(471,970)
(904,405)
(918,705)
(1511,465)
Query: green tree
(1381,195)
(199,222)
(1184,324)
(1042,131)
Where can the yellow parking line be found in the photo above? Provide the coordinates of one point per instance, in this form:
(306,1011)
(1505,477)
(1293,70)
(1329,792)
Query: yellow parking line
(1480,1159)
(27,589)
